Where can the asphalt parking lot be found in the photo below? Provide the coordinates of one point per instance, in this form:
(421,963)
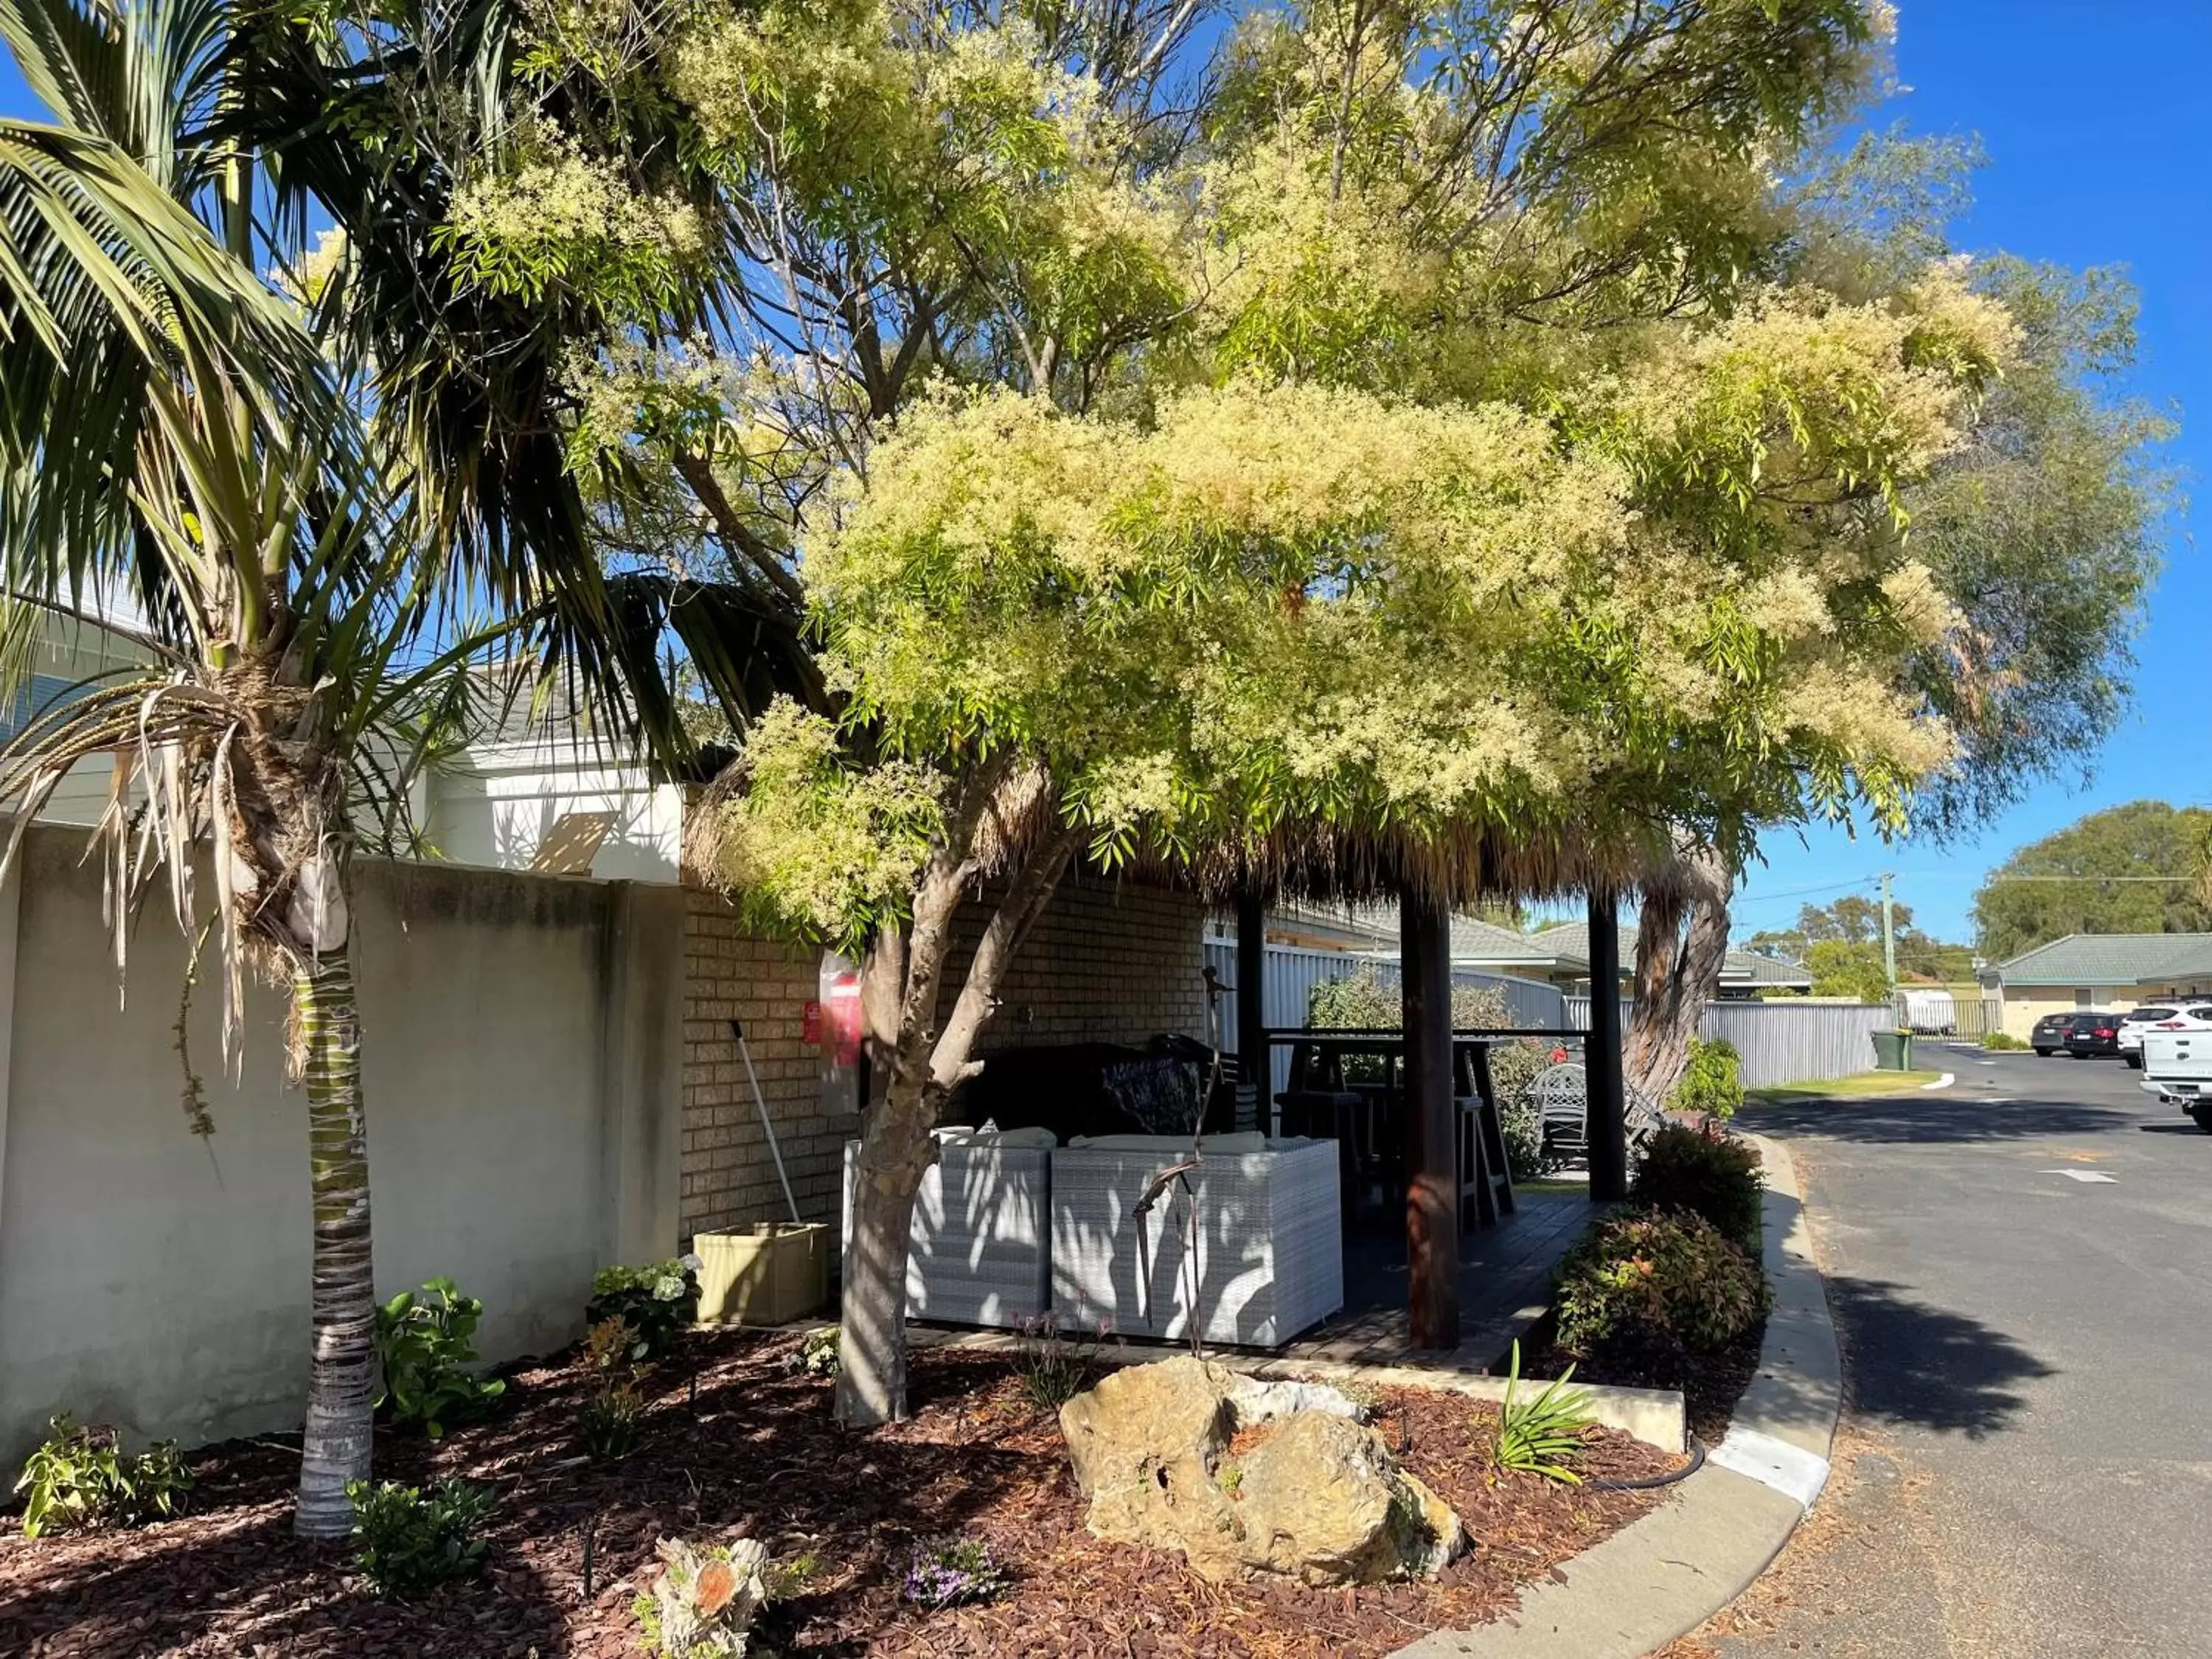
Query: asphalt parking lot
(2018,1268)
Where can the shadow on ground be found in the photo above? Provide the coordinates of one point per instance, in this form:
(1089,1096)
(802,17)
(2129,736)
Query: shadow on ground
(1912,1364)
(1929,1119)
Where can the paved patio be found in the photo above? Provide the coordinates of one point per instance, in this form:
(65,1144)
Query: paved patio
(1504,1285)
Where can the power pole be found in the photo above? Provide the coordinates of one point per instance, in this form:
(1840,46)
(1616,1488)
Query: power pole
(1889,935)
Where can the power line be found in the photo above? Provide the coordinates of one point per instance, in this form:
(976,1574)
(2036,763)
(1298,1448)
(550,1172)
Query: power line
(1990,880)
(1806,892)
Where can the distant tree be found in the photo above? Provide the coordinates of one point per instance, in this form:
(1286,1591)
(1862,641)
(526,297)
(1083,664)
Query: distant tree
(1856,920)
(2144,838)
(1844,970)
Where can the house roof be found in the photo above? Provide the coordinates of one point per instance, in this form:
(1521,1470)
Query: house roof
(2087,959)
(1572,940)
(1375,927)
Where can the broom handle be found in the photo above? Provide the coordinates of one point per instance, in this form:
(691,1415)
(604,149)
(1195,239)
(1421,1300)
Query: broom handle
(767,1126)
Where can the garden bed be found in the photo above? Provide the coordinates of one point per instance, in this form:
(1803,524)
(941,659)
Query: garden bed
(1710,1384)
(754,1451)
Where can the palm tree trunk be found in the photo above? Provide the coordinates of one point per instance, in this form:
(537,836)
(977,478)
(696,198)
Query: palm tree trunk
(335,1447)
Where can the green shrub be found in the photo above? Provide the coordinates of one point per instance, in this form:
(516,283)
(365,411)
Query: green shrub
(1051,1366)
(1712,1083)
(1542,1436)
(2001,1040)
(410,1540)
(656,1302)
(80,1478)
(1705,1171)
(1651,1285)
(819,1354)
(1365,1002)
(423,1350)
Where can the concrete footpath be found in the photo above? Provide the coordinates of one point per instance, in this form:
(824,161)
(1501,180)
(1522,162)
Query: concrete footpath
(1668,1573)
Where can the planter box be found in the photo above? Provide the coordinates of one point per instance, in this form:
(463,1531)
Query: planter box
(767,1274)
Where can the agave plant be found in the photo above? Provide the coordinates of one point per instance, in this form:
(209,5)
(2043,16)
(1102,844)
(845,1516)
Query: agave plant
(1542,1436)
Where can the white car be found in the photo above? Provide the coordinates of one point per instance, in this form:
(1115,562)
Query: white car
(2184,1014)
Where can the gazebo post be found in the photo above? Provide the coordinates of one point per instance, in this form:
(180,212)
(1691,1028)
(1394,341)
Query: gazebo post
(1607,1126)
(1431,1123)
(1253,1061)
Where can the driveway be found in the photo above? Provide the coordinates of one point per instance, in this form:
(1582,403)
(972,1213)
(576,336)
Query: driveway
(2018,1268)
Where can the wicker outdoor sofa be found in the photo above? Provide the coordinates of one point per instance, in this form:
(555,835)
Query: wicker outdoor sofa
(1270,1250)
(1270,1258)
(976,1250)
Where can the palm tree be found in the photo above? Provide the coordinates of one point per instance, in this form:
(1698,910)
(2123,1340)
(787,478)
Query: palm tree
(302,655)
(299,497)
(173,433)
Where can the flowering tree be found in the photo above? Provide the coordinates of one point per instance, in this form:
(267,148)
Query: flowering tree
(1410,423)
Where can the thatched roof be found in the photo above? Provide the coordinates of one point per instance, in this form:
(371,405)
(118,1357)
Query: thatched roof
(1463,865)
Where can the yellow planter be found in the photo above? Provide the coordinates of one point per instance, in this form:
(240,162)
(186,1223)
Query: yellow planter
(768,1274)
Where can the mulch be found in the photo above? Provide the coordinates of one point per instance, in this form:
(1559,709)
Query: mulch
(735,1445)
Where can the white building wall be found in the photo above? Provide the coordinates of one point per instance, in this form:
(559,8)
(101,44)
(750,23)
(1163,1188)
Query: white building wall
(496,805)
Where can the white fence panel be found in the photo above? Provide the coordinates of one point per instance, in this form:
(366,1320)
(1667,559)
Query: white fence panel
(1782,1041)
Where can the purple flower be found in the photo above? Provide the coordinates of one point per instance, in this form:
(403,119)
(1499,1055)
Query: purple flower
(946,1573)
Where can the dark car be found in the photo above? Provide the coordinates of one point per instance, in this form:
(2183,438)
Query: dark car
(2089,1034)
(2049,1036)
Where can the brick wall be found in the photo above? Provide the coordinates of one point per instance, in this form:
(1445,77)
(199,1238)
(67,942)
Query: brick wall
(1107,963)
(728,1176)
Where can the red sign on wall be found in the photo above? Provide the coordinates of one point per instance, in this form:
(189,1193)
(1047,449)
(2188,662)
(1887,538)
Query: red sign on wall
(810,1029)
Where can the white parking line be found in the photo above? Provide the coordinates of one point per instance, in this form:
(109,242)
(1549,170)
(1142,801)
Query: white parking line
(1942,1082)
(2081,1175)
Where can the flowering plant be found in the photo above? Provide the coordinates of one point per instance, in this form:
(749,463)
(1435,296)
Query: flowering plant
(946,1573)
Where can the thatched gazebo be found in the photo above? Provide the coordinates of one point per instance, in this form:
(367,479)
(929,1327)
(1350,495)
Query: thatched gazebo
(1430,876)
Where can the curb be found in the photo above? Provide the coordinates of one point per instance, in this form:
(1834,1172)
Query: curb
(1665,1575)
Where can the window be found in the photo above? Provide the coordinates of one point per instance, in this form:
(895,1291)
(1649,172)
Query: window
(2085,998)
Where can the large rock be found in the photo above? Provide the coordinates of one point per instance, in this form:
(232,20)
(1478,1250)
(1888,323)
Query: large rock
(1320,1499)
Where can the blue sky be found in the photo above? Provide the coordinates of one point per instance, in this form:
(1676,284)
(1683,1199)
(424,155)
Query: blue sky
(2097,124)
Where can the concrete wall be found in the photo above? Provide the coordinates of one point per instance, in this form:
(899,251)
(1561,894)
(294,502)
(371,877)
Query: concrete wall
(520,1038)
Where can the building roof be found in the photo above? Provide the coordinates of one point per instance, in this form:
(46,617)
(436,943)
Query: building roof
(1374,927)
(1572,940)
(2089,959)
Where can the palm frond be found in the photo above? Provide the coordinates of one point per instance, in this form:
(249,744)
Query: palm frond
(107,287)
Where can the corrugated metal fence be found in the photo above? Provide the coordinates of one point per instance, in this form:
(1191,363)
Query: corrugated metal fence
(1292,973)
(1783,1041)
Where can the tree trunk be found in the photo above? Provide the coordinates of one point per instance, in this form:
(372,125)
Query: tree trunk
(924,1067)
(1676,975)
(894,1155)
(335,1448)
